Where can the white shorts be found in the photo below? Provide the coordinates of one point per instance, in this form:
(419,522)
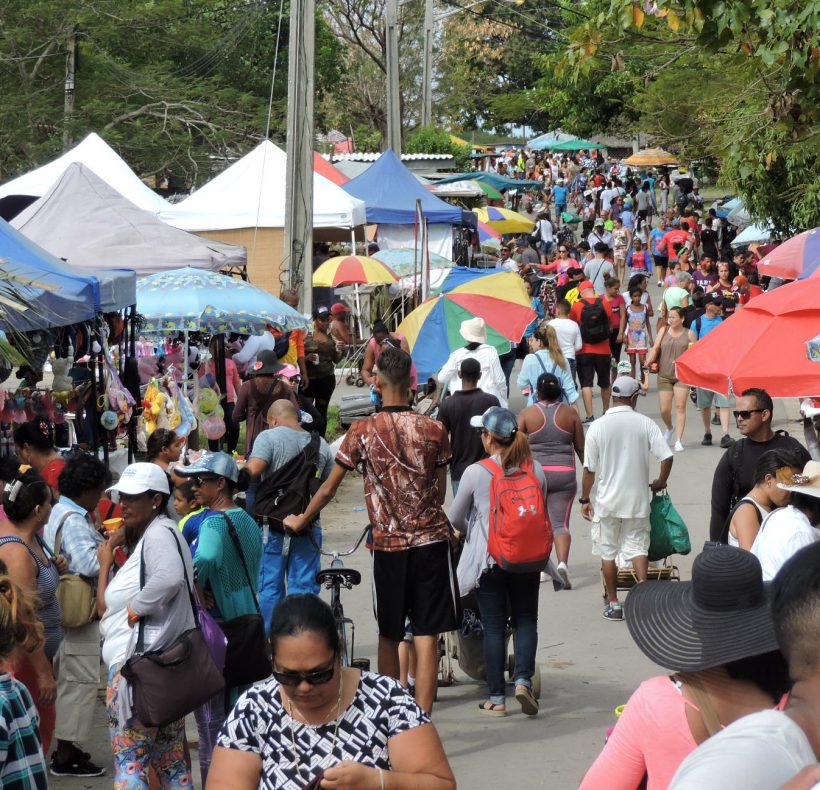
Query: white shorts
(626,536)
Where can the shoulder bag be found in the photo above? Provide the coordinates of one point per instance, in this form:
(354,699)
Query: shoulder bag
(248,657)
(75,593)
(169,683)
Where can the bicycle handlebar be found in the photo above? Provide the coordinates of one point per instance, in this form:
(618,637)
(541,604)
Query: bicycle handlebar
(333,553)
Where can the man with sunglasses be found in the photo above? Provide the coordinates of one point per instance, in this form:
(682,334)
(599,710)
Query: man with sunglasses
(734,476)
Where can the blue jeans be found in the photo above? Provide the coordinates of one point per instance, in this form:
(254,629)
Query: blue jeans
(280,576)
(507,364)
(496,589)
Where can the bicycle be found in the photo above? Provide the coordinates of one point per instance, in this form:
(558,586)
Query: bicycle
(334,579)
(547,293)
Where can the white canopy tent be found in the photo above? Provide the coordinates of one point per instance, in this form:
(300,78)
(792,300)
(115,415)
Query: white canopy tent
(99,157)
(89,224)
(245,204)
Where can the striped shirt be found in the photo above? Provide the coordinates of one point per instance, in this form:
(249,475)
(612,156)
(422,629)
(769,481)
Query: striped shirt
(22,766)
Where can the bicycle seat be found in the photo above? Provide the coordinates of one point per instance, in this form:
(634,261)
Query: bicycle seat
(349,577)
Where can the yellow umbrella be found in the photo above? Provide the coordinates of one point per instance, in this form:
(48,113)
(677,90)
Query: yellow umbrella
(353,270)
(651,157)
(503,220)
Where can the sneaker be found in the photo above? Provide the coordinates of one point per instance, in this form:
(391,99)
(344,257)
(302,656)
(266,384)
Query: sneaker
(707,440)
(678,446)
(715,419)
(564,574)
(660,283)
(545,577)
(76,768)
(668,433)
(726,441)
(587,420)
(613,611)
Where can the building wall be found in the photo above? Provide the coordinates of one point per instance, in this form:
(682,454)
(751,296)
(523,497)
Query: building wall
(265,255)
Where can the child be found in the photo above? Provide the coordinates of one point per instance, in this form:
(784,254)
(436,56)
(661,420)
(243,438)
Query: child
(639,260)
(638,330)
(191,512)
(21,755)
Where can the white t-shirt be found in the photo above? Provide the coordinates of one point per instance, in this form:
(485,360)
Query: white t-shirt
(618,448)
(492,376)
(760,751)
(569,336)
(783,533)
(545,229)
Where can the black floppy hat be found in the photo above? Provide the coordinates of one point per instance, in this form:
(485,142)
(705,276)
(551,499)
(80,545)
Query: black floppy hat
(722,615)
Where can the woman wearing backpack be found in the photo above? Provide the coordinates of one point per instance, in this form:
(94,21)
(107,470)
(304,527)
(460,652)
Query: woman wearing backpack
(506,549)
(546,357)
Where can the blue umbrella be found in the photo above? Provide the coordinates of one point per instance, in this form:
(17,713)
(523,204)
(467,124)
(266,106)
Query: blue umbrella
(400,260)
(192,300)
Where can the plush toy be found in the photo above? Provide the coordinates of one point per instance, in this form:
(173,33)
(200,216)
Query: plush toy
(154,404)
(208,402)
(62,381)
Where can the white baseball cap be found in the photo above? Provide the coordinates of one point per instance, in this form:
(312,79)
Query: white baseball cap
(141,477)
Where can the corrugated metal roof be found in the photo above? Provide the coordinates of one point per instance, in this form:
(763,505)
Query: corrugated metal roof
(364,157)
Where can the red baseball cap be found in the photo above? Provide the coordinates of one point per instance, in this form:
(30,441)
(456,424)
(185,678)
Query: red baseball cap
(339,307)
(585,285)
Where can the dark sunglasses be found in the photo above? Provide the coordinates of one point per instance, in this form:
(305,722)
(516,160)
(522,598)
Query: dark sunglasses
(562,250)
(199,480)
(746,413)
(482,432)
(316,678)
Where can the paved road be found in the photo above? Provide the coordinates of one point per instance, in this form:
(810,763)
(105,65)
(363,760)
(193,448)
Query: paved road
(588,665)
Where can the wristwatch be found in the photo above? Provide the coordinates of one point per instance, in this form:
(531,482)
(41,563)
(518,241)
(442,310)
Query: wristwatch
(583,500)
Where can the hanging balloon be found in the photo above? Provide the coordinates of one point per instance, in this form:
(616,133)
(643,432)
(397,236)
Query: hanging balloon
(213,427)
(208,402)
(109,420)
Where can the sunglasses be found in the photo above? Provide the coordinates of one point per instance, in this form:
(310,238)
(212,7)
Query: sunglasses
(199,480)
(482,432)
(316,678)
(564,250)
(746,413)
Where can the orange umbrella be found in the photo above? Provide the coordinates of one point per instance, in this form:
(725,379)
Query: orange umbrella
(651,157)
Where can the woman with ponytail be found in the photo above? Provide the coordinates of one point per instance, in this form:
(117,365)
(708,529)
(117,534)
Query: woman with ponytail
(32,565)
(546,357)
(21,755)
(508,448)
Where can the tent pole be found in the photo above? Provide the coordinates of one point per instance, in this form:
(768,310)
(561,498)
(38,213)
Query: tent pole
(353,241)
(101,374)
(222,381)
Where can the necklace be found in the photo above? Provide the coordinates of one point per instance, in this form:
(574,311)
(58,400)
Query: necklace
(296,762)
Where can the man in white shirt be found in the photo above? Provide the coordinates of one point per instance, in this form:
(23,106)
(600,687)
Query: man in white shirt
(787,530)
(493,381)
(599,235)
(599,268)
(766,750)
(568,333)
(618,449)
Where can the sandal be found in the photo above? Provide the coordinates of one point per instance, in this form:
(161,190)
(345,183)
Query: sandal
(527,700)
(495,709)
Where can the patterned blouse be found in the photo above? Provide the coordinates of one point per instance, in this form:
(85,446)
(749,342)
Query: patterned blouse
(259,723)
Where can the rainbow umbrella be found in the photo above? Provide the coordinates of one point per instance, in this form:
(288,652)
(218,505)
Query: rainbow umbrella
(487,235)
(432,329)
(353,270)
(503,220)
(799,257)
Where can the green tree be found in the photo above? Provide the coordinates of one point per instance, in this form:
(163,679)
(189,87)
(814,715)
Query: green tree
(429,140)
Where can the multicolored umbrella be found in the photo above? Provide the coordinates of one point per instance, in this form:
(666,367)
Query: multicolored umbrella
(487,236)
(405,260)
(762,345)
(193,300)
(651,157)
(504,220)
(432,329)
(353,270)
(799,257)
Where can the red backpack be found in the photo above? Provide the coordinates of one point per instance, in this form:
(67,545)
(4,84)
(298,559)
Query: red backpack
(519,537)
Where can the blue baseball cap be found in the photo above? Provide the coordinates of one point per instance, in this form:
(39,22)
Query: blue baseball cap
(497,420)
(220,464)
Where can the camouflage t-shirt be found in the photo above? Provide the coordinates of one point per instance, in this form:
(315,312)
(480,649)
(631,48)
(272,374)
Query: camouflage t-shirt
(398,453)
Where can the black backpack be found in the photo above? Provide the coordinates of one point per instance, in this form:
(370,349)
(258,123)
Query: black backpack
(594,322)
(282,345)
(287,490)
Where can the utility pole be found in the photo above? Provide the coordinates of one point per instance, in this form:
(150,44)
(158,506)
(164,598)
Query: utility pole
(298,247)
(68,97)
(427,72)
(393,91)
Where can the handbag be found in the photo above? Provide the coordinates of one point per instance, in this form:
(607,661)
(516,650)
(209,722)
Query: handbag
(75,593)
(169,683)
(214,636)
(248,657)
(668,533)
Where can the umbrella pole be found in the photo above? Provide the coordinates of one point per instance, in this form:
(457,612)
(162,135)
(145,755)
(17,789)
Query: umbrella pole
(222,382)
(359,311)
(353,241)
(185,365)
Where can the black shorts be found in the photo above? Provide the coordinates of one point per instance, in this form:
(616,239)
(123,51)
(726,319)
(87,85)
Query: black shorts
(614,346)
(661,261)
(419,584)
(590,364)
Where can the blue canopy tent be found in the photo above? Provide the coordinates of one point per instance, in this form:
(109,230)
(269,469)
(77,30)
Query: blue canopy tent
(61,295)
(501,183)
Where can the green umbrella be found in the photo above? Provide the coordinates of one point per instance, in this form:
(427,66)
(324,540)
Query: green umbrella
(576,145)
(490,191)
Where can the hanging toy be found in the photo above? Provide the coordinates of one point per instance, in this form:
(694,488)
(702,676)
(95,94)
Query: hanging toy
(153,407)
(109,420)
(208,402)
(213,427)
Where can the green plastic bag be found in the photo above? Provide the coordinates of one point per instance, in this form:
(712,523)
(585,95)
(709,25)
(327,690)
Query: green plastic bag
(668,534)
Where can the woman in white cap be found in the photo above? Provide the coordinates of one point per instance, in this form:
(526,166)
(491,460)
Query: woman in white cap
(493,381)
(158,611)
(496,587)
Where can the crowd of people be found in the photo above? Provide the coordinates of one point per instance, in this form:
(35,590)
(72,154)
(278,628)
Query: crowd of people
(87,578)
